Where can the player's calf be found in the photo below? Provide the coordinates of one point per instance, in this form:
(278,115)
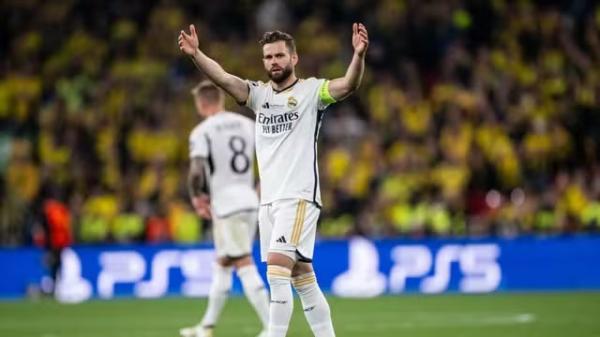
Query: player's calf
(282,301)
(254,288)
(315,306)
(218,294)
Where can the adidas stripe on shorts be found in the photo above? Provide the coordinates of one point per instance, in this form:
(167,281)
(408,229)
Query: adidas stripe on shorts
(288,225)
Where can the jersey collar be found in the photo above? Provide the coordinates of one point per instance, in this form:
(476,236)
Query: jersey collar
(286,88)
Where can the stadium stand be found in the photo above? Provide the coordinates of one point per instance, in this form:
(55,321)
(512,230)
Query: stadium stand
(475,117)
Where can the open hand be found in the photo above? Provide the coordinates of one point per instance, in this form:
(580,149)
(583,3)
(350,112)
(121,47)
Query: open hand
(188,43)
(360,39)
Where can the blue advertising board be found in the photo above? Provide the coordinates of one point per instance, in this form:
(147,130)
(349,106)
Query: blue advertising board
(356,267)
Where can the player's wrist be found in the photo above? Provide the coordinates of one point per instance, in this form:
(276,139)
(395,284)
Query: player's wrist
(360,54)
(196,53)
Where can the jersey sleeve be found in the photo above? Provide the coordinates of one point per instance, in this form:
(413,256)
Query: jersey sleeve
(199,144)
(324,98)
(253,91)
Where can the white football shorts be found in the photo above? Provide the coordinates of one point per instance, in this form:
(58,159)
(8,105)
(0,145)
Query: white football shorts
(234,234)
(289,226)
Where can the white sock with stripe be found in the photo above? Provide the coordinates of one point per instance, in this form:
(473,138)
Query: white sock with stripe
(219,291)
(316,308)
(255,291)
(282,300)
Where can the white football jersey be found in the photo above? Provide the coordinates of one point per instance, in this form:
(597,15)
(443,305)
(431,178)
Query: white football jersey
(226,141)
(287,127)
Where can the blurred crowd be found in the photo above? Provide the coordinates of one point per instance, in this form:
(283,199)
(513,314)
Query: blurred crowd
(474,117)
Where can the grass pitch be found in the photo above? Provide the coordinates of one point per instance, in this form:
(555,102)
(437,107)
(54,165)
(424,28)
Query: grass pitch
(499,315)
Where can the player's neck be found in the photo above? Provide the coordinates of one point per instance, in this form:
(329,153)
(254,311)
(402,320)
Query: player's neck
(211,111)
(285,84)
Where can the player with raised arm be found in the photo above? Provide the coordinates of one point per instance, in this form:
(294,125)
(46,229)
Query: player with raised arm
(222,149)
(288,112)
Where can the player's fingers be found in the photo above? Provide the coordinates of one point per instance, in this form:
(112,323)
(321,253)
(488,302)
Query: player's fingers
(364,35)
(192,30)
(354,28)
(185,35)
(362,29)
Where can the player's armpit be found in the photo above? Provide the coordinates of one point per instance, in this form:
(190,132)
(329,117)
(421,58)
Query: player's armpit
(245,102)
(237,88)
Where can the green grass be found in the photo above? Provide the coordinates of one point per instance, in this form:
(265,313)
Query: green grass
(501,315)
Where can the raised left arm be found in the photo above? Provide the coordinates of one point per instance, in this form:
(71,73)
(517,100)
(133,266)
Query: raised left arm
(342,87)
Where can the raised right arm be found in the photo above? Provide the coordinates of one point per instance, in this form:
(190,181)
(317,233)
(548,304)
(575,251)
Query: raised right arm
(233,85)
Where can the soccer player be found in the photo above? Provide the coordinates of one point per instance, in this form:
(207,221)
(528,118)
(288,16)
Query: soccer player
(288,117)
(222,148)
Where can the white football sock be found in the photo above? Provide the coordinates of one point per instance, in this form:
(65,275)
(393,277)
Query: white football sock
(219,291)
(316,308)
(282,300)
(255,291)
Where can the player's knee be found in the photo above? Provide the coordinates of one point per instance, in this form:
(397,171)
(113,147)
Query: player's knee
(279,268)
(282,259)
(302,268)
(222,279)
(242,262)
(225,261)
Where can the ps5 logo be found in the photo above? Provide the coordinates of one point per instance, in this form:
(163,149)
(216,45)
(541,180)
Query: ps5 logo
(478,271)
(130,267)
(478,263)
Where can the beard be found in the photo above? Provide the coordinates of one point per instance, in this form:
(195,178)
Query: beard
(281,76)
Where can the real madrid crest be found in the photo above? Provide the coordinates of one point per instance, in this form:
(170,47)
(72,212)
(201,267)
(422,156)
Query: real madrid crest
(292,102)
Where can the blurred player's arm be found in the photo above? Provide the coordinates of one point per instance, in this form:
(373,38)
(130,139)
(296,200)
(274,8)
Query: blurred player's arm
(342,87)
(233,85)
(196,181)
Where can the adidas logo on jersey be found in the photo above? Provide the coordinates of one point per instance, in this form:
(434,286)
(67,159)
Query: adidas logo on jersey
(268,105)
(281,239)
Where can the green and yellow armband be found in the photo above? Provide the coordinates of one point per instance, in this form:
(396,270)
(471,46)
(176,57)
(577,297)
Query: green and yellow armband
(324,94)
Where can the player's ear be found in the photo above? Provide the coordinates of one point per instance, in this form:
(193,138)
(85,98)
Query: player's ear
(294,59)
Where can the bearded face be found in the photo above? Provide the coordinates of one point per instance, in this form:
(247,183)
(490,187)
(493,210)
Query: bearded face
(278,61)
(280,75)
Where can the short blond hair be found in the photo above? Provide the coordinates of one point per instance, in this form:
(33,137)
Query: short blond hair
(208,92)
